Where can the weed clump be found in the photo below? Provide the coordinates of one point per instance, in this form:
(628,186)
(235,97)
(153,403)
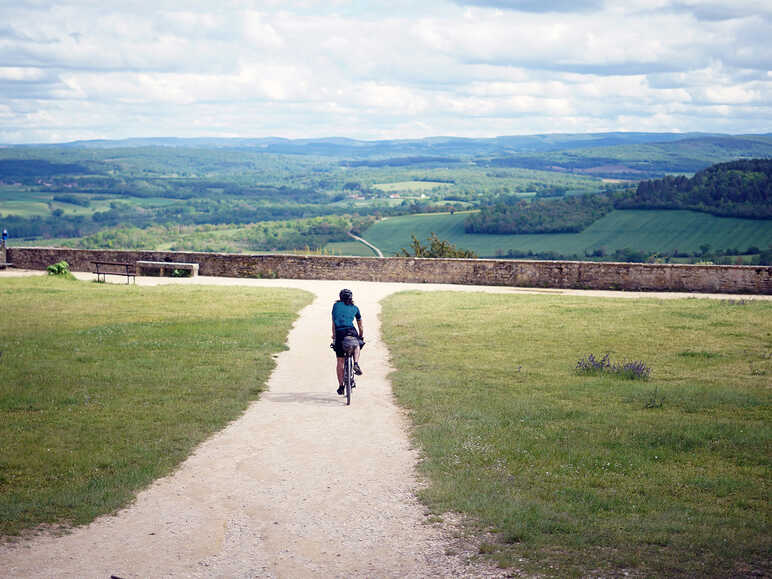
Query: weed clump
(60,269)
(632,370)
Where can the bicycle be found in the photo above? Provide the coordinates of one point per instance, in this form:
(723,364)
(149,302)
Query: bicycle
(350,343)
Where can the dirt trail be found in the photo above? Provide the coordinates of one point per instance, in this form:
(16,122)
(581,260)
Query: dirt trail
(299,486)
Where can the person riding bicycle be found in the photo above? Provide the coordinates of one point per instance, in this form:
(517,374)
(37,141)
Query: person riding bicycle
(344,312)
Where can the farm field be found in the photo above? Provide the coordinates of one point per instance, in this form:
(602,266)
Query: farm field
(417,186)
(24,203)
(593,474)
(661,230)
(349,248)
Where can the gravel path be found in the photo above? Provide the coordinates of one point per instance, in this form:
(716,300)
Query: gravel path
(299,486)
(377,251)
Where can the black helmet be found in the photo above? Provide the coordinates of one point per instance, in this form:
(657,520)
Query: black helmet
(346,295)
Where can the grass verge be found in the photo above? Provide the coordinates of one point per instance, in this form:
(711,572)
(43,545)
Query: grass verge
(107,387)
(593,474)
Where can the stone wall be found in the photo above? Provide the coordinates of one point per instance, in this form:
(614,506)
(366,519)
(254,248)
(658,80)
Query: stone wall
(547,274)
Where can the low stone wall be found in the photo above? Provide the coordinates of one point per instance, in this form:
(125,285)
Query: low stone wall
(547,274)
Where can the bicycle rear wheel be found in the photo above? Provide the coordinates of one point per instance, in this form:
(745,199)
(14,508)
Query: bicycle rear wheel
(348,377)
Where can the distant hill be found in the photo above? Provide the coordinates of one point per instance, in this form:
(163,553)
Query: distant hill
(337,146)
(643,160)
(13,168)
(619,155)
(736,189)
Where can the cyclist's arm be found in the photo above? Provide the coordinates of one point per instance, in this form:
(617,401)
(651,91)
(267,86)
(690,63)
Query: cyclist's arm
(361,329)
(333,330)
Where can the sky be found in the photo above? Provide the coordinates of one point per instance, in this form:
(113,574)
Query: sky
(364,69)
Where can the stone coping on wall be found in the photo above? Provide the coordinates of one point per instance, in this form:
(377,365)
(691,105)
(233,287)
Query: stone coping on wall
(499,272)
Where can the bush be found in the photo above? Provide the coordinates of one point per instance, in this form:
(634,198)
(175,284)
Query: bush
(635,369)
(436,248)
(61,269)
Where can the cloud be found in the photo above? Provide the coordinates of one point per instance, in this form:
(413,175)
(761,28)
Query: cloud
(77,69)
(713,10)
(537,5)
(598,44)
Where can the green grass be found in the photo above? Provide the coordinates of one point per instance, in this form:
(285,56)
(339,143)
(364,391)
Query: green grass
(107,387)
(349,248)
(593,475)
(643,230)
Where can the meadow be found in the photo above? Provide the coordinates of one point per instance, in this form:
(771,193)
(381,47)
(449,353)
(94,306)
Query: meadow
(412,186)
(653,231)
(27,202)
(107,387)
(348,248)
(593,474)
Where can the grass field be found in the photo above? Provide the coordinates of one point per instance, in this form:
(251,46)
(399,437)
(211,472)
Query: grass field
(594,475)
(644,230)
(349,248)
(416,186)
(107,387)
(24,203)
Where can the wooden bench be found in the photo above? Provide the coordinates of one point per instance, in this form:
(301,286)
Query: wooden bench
(168,268)
(105,268)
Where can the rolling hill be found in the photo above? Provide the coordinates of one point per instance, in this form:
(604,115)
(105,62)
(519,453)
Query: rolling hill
(648,230)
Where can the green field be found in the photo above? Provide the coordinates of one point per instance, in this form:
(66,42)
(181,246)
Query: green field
(26,203)
(416,186)
(349,248)
(646,230)
(593,475)
(107,387)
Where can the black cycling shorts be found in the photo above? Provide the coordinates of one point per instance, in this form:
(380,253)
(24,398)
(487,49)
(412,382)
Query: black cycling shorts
(341,333)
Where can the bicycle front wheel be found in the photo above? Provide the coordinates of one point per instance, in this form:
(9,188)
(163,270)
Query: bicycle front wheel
(348,377)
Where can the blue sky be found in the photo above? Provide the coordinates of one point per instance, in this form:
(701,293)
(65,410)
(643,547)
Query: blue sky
(78,69)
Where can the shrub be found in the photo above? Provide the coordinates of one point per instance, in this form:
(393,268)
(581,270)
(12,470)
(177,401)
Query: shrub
(61,269)
(633,370)
(436,248)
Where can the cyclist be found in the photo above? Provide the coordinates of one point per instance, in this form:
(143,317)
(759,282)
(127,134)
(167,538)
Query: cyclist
(344,312)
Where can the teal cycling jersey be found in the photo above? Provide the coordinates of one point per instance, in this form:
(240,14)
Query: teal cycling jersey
(343,316)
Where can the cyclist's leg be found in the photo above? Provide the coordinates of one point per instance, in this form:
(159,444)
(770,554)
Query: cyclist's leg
(339,370)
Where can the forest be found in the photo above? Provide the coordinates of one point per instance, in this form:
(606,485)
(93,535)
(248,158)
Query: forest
(740,188)
(562,215)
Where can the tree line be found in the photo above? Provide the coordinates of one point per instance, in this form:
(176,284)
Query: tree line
(313,234)
(561,215)
(197,211)
(736,189)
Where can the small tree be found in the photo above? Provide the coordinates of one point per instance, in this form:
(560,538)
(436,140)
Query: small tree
(436,248)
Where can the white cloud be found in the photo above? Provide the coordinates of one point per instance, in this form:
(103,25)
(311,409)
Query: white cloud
(259,32)
(77,69)
(21,73)
(537,5)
